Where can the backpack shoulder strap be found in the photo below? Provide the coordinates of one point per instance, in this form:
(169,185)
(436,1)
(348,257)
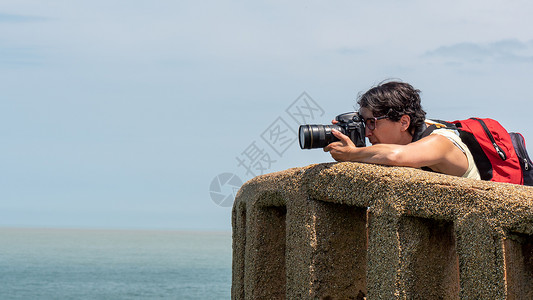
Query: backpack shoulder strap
(430,126)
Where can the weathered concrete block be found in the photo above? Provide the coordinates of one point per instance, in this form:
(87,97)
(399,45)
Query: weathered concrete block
(350,231)
(429,265)
(480,251)
(519,265)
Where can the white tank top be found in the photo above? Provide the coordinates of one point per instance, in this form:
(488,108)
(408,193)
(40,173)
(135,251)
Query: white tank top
(453,136)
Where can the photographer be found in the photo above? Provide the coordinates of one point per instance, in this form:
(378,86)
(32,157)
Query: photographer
(394,120)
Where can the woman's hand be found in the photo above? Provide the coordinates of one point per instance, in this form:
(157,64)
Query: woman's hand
(341,150)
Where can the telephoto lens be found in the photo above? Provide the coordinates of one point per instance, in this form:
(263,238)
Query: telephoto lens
(317,136)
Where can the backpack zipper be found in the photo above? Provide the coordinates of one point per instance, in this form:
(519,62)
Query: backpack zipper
(522,154)
(499,150)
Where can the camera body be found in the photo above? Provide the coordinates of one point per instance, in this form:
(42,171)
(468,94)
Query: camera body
(319,136)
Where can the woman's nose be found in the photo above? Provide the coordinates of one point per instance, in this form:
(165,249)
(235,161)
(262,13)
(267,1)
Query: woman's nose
(368,132)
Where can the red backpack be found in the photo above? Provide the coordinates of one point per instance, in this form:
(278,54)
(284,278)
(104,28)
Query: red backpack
(499,155)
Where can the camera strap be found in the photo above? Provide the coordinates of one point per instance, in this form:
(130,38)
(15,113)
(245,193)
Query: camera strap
(419,132)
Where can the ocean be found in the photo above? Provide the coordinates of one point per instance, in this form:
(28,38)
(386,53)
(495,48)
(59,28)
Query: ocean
(114,264)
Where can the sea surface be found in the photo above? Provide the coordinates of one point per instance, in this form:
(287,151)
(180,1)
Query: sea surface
(114,264)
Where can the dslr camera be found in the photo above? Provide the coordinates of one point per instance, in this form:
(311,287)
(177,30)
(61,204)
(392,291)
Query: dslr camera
(319,136)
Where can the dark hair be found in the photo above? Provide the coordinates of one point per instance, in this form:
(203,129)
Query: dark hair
(394,99)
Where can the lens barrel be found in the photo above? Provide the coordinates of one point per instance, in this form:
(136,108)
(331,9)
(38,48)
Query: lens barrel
(317,136)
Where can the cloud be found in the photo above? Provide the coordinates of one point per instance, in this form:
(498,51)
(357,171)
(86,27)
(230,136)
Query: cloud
(11,18)
(506,51)
(351,51)
(19,56)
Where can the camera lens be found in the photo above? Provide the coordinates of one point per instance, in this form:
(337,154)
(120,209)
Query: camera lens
(303,132)
(317,136)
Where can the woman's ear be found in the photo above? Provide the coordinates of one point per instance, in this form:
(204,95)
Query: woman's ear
(405,121)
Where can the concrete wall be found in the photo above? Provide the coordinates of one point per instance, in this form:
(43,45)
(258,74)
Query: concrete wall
(358,231)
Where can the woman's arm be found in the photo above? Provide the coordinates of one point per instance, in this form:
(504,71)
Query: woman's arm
(434,151)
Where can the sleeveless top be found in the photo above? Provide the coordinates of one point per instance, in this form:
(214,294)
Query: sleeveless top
(453,136)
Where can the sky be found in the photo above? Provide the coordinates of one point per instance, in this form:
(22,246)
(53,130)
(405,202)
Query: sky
(150,114)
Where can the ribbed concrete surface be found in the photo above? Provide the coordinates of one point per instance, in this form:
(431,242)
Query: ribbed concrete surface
(350,230)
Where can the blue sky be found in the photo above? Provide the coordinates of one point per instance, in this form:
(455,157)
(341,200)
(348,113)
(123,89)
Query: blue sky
(120,114)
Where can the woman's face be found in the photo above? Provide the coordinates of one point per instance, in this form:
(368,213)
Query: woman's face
(385,131)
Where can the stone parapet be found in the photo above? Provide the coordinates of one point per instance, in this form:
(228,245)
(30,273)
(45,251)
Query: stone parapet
(360,231)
